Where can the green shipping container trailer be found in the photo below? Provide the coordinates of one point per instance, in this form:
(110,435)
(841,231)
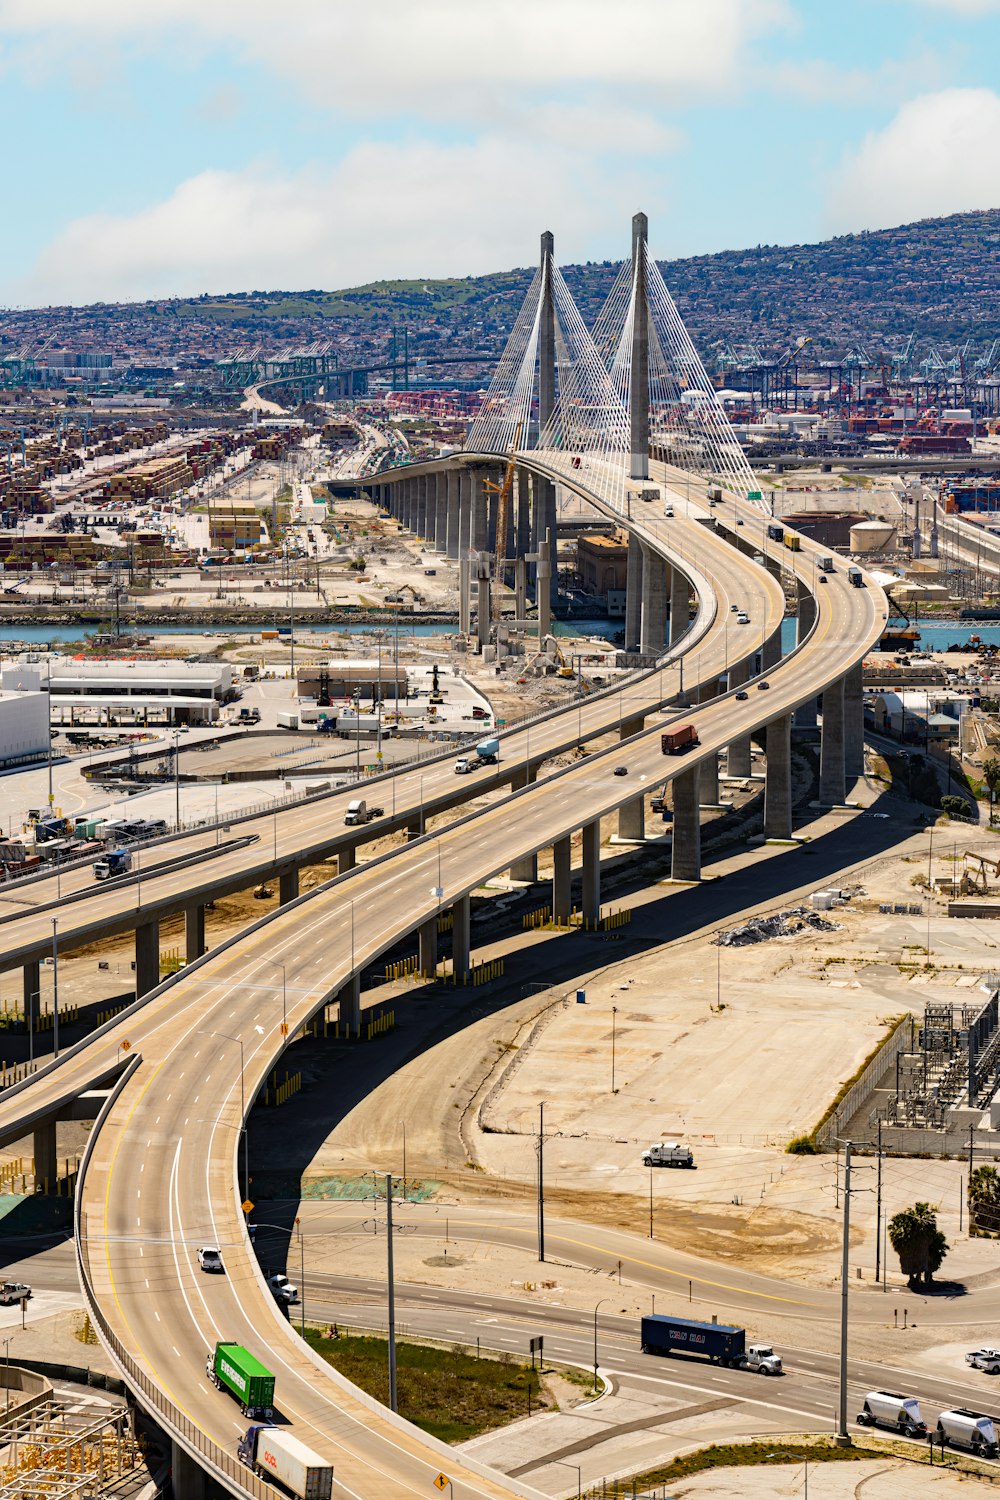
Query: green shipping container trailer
(232,1368)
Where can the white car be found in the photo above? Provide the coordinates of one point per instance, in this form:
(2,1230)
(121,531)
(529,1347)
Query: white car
(282,1289)
(209,1258)
(742,618)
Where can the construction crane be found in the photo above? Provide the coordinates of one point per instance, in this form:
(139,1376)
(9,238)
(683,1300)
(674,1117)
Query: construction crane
(505,489)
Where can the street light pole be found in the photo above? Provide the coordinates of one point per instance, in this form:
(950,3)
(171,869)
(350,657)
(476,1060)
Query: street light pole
(614,1016)
(55,987)
(842,1433)
(393,1405)
(403,1123)
(596,1310)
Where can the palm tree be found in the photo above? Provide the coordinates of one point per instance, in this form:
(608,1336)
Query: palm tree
(991,775)
(984,1201)
(919,1243)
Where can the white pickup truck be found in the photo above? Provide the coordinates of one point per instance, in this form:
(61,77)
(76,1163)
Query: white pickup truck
(984,1359)
(668,1154)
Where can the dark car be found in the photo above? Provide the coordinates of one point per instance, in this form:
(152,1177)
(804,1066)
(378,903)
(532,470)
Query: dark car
(742,697)
(621,770)
(762,687)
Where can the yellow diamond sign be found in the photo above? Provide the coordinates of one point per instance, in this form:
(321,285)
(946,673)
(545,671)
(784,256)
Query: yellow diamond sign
(442,1482)
(247,1206)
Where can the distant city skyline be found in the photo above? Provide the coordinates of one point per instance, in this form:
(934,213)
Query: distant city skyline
(176,148)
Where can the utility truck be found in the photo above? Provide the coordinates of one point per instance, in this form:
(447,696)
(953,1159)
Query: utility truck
(487,753)
(278,1455)
(668,1154)
(722,1343)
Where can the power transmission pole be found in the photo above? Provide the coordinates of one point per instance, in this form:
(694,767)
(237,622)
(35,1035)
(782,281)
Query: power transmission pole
(842,1433)
(878,1208)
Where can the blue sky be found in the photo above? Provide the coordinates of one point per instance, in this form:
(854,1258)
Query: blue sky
(179,146)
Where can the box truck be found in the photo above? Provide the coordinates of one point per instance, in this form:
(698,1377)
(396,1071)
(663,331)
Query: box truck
(856,578)
(281,1456)
(115,862)
(722,1343)
(825,564)
(232,1368)
(676,741)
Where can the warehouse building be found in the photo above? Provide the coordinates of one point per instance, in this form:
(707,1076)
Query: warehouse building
(342,678)
(24,728)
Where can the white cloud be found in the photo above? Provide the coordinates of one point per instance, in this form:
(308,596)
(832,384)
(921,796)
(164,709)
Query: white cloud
(436,58)
(962,7)
(384,211)
(939,155)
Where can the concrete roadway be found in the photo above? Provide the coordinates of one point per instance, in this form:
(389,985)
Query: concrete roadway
(178,1118)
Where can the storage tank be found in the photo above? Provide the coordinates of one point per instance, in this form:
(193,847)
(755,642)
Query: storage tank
(871,536)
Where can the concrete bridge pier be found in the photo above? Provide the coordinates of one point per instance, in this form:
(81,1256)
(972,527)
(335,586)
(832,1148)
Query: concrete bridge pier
(408,500)
(771,651)
(520,588)
(854,724)
(632,815)
(547,524)
(439,510)
(427,938)
(44,1151)
(592,872)
(708,789)
(526,868)
(685,857)
(805,714)
(465,566)
(452,512)
(522,532)
(147,957)
(479,526)
(680,605)
(832,788)
(483,600)
(346,860)
(561,878)
(653,629)
(739,761)
(633,593)
(461,938)
(194,933)
(778,781)
(288,886)
(31,976)
(187,1477)
(349,1005)
(464,511)
(543,578)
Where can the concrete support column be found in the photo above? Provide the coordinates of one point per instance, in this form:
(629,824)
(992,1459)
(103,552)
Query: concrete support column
(854,724)
(633,593)
(592,872)
(639,374)
(492,514)
(461,937)
(543,579)
(479,532)
(147,958)
(187,1477)
(452,511)
(32,979)
(349,1004)
(832,787)
(465,593)
(778,782)
(654,603)
(771,653)
(522,530)
(464,511)
(422,506)
(680,605)
(526,868)
(427,936)
(520,588)
(561,878)
(288,886)
(685,857)
(632,815)
(805,617)
(483,602)
(44,1149)
(194,933)
(548,527)
(708,788)
(409,488)
(435,485)
(346,860)
(739,761)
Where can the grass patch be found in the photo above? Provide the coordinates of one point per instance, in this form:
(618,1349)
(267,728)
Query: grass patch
(738,1456)
(448,1392)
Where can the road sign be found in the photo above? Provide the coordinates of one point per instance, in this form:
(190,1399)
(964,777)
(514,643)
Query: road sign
(247,1206)
(284,1028)
(126,1045)
(442,1482)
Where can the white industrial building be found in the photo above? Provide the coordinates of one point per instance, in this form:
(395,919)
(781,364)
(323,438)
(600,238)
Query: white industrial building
(132,692)
(24,727)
